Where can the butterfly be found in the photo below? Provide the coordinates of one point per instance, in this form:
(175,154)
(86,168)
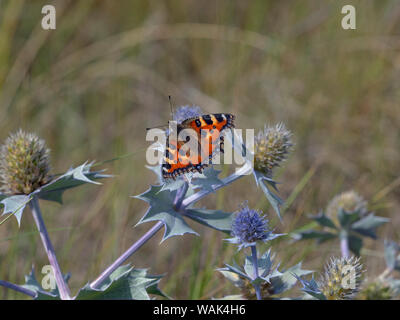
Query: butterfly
(206,134)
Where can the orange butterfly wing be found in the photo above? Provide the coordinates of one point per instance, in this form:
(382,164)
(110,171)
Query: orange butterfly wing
(208,129)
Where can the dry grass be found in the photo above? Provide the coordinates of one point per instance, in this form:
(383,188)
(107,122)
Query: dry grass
(92,86)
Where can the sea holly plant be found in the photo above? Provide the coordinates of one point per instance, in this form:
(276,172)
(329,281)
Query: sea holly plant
(249,228)
(51,191)
(385,286)
(25,179)
(125,283)
(171,202)
(279,282)
(346,218)
(341,280)
(25,174)
(271,147)
(162,207)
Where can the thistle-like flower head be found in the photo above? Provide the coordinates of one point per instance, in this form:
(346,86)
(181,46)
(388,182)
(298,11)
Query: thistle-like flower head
(24,163)
(186,112)
(271,147)
(342,278)
(250,226)
(377,290)
(249,293)
(349,201)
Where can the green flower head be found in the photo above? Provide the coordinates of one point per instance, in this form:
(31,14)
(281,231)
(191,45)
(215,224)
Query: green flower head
(24,163)
(377,290)
(271,147)
(249,293)
(342,278)
(350,202)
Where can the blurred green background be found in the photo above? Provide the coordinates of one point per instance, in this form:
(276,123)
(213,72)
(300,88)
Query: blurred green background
(92,86)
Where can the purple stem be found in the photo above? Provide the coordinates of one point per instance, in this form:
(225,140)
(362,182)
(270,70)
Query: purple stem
(255,265)
(201,194)
(344,246)
(136,246)
(18,288)
(179,203)
(180,195)
(48,247)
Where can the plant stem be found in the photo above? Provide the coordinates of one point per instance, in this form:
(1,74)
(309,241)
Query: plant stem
(179,203)
(180,195)
(122,258)
(255,264)
(344,245)
(18,288)
(48,247)
(201,194)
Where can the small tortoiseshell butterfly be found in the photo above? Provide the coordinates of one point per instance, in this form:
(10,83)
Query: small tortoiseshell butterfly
(207,129)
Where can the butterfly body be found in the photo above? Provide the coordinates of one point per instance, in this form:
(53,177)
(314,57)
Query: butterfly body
(206,134)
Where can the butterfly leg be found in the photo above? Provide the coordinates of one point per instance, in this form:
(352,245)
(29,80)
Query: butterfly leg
(221,145)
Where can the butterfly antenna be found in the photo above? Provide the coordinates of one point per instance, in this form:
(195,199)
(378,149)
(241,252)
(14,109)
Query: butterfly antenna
(172,116)
(170,105)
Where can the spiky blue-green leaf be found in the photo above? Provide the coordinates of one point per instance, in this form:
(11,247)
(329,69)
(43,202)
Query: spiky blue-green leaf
(161,208)
(286,280)
(265,269)
(215,219)
(249,267)
(157,171)
(347,218)
(392,255)
(323,220)
(207,180)
(125,283)
(265,262)
(32,284)
(355,244)
(53,190)
(231,276)
(74,177)
(264,266)
(15,205)
(266,185)
(367,226)
(236,270)
(241,245)
(311,287)
(172,185)
(320,236)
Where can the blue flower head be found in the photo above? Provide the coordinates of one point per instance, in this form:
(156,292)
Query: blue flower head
(186,112)
(250,226)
